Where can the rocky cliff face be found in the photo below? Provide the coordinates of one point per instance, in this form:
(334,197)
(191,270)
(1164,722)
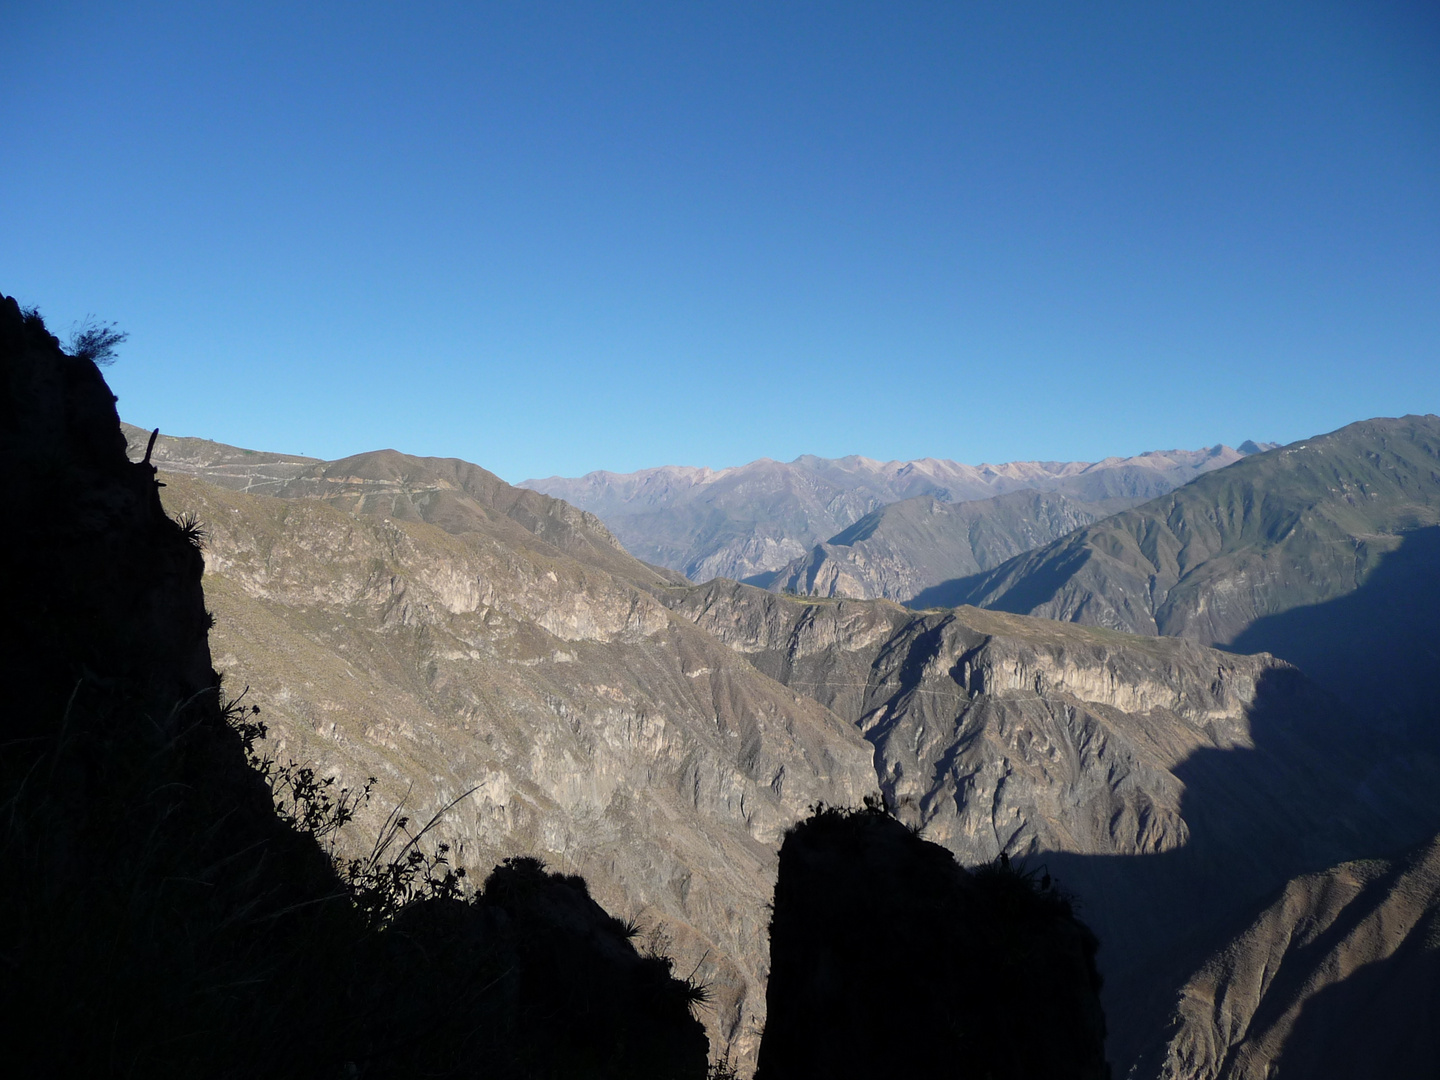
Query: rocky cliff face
(1168,784)
(572,715)
(158,915)
(906,547)
(755,518)
(889,959)
(403,618)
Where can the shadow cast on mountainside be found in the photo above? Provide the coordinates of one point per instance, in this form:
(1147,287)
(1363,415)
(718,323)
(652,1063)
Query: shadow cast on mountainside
(1312,791)
(1399,995)
(1030,592)
(1378,647)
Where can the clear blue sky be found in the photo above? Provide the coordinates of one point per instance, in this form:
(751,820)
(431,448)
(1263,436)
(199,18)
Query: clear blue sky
(550,238)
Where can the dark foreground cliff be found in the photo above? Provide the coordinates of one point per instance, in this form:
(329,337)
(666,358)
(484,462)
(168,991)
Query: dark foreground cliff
(890,959)
(157,916)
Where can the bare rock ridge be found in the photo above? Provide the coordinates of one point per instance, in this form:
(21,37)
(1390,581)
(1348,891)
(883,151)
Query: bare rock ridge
(658,737)
(906,547)
(447,492)
(1299,551)
(1337,975)
(753,519)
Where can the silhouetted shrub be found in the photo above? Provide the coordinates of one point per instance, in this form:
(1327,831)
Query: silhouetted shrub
(96,341)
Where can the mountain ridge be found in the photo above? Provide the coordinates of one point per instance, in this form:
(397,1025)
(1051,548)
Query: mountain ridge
(1259,556)
(391,621)
(754,518)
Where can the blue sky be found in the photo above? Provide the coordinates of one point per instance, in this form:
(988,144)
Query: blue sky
(550,238)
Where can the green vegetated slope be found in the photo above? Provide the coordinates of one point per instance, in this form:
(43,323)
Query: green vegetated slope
(908,546)
(753,519)
(1312,551)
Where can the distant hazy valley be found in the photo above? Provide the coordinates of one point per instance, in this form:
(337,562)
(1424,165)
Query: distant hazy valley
(420,620)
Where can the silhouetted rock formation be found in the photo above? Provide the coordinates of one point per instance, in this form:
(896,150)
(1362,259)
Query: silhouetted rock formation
(890,959)
(157,917)
(530,979)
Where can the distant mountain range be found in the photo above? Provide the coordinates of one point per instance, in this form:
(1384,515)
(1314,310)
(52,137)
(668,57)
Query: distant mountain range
(753,519)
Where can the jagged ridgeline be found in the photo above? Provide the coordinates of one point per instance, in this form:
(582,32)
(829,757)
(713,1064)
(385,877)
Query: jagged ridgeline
(420,620)
(157,916)
(748,522)
(168,906)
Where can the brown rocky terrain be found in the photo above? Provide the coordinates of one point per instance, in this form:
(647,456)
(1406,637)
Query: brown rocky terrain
(572,715)
(418,620)
(166,912)
(1302,551)
(1169,785)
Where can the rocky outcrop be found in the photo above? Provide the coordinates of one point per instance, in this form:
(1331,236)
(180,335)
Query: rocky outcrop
(105,587)
(157,915)
(889,959)
(753,519)
(903,548)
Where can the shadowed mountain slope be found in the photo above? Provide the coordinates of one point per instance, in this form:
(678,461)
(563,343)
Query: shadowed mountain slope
(908,546)
(755,518)
(159,915)
(1169,785)
(1337,975)
(1259,556)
